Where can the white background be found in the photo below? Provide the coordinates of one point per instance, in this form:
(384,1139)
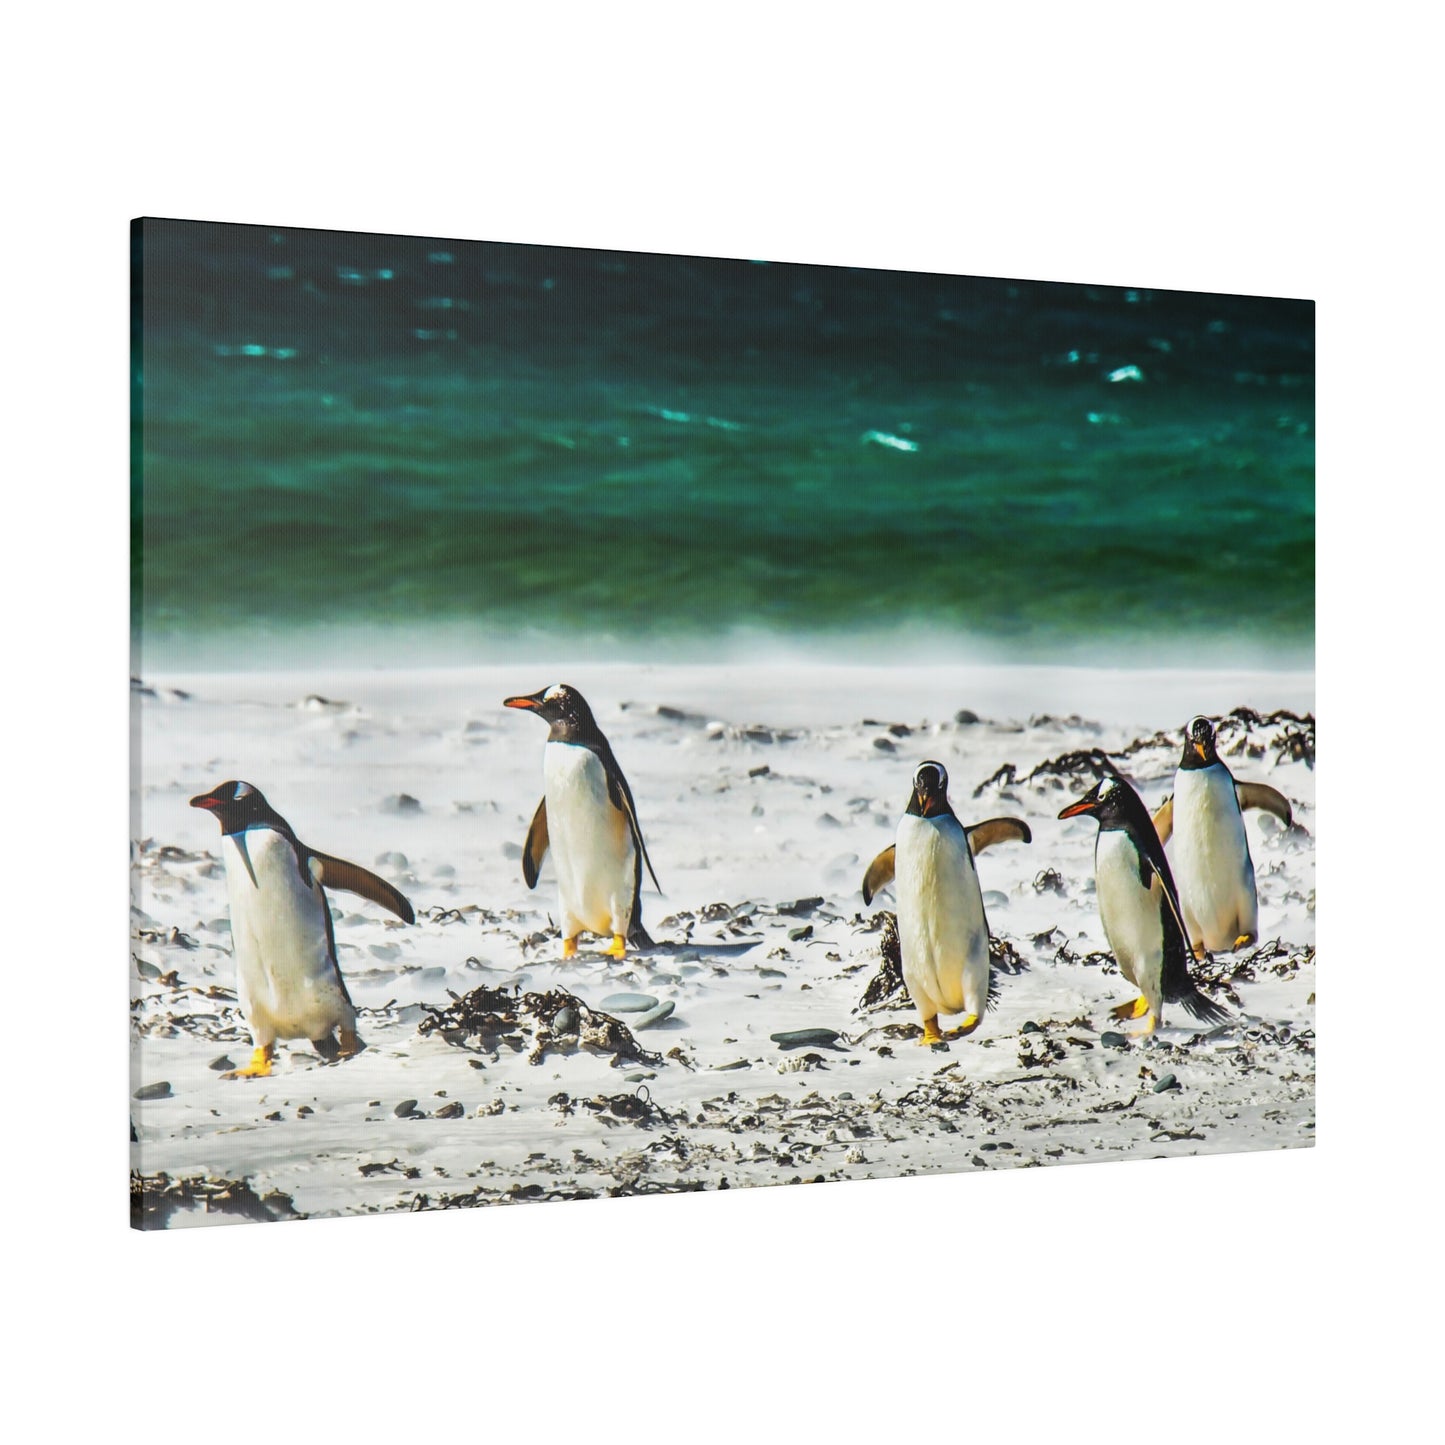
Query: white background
(1250,148)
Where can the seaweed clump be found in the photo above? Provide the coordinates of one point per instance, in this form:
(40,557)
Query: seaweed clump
(555,1021)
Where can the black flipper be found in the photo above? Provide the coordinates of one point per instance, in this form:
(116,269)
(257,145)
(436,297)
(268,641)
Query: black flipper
(1261,795)
(879,874)
(353,878)
(997,830)
(535,848)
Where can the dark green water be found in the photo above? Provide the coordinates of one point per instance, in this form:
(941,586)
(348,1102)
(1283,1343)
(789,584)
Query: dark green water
(392,439)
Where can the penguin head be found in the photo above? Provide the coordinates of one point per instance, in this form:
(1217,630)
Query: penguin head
(1114,804)
(1106,801)
(1199,744)
(563,707)
(236,805)
(930,790)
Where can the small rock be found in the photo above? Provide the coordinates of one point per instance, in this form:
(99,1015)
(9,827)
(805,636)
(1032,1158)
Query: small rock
(761,772)
(512,851)
(965,717)
(640,1077)
(1111,1040)
(401,803)
(995,898)
(829,821)
(405,1109)
(900,730)
(221,1065)
(161,1090)
(1030,1028)
(454,1110)
(654,1015)
(391,860)
(799,1038)
(885,745)
(736,1064)
(796,935)
(1165,1083)
(628,1003)
(565,1022)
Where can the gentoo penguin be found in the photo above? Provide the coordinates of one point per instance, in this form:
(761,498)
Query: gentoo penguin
(287,978)
(942,931)
(1211,850)
(588,819)
(1139,906)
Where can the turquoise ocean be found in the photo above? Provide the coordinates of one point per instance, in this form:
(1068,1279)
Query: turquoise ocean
(417,451)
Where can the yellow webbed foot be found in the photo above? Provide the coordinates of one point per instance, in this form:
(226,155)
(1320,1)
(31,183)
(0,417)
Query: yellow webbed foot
(931,1033)
(964,1027)
(617,948)
(1151,1022)
(258,1068)
(1243,941)
(569,947)
(1135,1010)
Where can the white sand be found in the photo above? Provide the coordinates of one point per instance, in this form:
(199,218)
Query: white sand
(808,827)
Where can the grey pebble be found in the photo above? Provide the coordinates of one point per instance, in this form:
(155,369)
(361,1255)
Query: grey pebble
(401,803)
(1111,1040)
(798,1038)
(565,1022)
(654,1015)
(454,1110)
(161,1090)
(391,860)
(405,1109)
(221,1065)
(628,1003)
(995,899)
(965,717)
(512,851)
(829,821)
(736,1064)
(1030,1028)
(796,935)
(885,745)
(640,1077)
(1165,1083)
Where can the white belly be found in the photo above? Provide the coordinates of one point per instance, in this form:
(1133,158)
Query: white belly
(591,843)
(287,982)
(942,932)
(1130,914)
(1210,854)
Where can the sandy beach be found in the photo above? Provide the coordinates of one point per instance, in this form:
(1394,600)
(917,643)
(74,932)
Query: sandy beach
(763,793)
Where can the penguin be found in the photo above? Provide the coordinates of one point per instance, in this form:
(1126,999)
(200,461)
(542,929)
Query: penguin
(1139,906)
(287,977)
(588,819)
(1211,849)
(942,930)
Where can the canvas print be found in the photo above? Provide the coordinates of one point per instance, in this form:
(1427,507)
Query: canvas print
(610,723)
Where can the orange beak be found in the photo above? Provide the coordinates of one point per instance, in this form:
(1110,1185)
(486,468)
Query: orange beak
(1075,809)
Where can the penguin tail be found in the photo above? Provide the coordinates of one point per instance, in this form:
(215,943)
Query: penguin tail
(327,1047)
(638,936)
(1202,1007)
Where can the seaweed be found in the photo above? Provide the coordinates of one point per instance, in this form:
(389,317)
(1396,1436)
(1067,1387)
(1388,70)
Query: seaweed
(557,1021)
(885,987)
(155,1198)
